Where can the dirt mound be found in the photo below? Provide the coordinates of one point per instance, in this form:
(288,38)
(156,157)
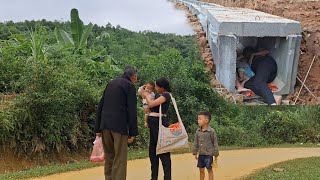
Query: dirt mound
(308,13)
(10,162)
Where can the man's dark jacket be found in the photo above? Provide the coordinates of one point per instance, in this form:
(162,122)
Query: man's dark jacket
(117,110)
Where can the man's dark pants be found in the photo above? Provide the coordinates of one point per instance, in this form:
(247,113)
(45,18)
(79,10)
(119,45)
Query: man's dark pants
(115,147)
(265,72)
(154,159)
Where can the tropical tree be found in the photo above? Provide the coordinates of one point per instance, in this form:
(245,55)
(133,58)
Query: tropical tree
(79,33)
(38,39)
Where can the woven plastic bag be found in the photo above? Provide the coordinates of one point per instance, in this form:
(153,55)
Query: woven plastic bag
(97,154)
(173,137)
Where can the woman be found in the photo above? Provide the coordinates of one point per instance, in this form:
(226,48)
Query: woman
(162,97)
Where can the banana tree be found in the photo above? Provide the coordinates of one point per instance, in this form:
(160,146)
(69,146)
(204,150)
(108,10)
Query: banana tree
(79,33)
(63,37)
(38,39)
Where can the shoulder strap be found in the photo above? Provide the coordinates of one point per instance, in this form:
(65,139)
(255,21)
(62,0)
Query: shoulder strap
(160,115)
(175,107)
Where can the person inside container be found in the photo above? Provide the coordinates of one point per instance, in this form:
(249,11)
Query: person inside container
(244,72)
(265,71)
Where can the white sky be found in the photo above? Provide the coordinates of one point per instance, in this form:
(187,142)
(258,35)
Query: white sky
(154,15)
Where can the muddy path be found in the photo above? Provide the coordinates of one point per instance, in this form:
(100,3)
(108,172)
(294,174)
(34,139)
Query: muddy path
(233,164)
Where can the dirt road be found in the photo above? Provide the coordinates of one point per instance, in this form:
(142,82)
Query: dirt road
(232,165)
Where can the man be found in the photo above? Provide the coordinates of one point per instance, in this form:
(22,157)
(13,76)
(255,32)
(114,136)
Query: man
(116,122)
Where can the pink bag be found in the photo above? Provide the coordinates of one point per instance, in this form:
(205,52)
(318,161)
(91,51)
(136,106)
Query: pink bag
(97,154)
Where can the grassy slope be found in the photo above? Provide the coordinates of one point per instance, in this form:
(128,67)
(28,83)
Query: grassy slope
(304,168)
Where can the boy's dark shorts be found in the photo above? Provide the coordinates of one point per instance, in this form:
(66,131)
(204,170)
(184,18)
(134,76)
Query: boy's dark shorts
(205,161)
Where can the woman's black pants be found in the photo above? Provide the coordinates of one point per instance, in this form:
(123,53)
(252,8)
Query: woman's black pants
(154,159)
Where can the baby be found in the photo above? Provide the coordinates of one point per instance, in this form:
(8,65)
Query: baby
(148,88)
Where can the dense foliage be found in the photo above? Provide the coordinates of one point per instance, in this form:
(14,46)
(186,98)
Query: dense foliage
(57,87)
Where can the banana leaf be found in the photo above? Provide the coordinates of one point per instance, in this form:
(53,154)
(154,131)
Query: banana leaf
(76,28)
(85,35)
(63,37)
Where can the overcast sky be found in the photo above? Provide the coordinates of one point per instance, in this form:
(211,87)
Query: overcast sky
(154,15)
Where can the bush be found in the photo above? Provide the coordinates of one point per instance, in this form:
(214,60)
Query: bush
(308,116)
(278,127)
(54,112)
(230,135)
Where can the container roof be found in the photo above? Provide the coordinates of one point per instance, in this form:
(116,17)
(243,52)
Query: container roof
(247,22)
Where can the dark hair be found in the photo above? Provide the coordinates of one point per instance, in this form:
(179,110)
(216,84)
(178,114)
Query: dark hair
(248,51)
(129,71)
(206,114)
(151,83)
(163,83)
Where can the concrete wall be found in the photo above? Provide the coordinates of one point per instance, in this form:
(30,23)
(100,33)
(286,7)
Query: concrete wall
(226,68)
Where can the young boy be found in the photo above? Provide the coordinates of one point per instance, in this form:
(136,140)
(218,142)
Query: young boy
(205,145)
(149,88)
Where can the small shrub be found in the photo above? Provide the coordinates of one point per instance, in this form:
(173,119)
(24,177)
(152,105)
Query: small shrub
(279,127)
(310,134)
(230,135)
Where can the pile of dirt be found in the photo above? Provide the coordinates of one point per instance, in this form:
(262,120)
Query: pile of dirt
(308,13)
(9,162)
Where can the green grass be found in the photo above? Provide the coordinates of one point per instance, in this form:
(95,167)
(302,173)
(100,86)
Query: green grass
(304,169)
(296,145)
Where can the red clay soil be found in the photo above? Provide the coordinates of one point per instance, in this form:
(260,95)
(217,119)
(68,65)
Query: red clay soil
(9,162)
(308,13)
